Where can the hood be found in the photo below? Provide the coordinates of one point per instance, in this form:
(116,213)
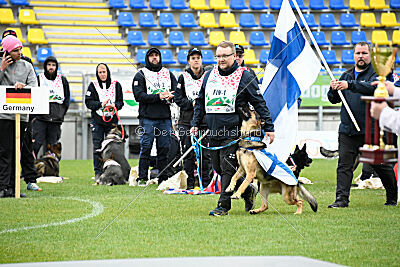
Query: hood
(230,70)
(151,66)
(108,81)
(190,71)
(46,73)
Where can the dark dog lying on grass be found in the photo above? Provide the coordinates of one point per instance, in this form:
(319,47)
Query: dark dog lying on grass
(49,164)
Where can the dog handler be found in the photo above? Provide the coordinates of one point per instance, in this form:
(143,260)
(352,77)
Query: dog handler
(224,89)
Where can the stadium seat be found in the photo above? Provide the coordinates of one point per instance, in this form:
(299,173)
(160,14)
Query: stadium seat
(317,5)
(117,4)
(26,51)
(216,37)
(146,20)
(218,4)
(19,2)
(257,39)
(379,37)
(348,57)
(264,54)
(7,16)
(257,5)
(378,4)
(125,19)
(320,38)
(250,57)
(178,4)
(396,38)
(275,4)
(395,4)
(348,20)
(300,3)
(198,5)
(389,20)
(358,36)
(227,20)
(141,56)
(339,38)
(158,4)
(156,38)
(182,56)
(368,20)
(327,20)
(238,5)
(338,70)
(197,39)
(207,20)
(310,19)
(3,2)
(247,20)
(137,4)
(36,36)
(176,38)
(397,61)
(27,16)
(337,4)
(19,33)
(187,20)
(208,57)
(267,21)
(238,38)
(358,5)
(43,53)
(167,57)
(330,56)
(271,37)
(135,38)
(167,20)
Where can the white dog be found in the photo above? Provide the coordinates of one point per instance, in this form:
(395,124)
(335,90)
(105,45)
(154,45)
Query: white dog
(178,181)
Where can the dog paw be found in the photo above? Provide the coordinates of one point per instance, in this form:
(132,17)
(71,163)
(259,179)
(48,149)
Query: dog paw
(235,197)
(253,212)
(229,189)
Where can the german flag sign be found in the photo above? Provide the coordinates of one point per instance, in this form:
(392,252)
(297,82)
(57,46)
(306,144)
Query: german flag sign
(20,96)
(28,100)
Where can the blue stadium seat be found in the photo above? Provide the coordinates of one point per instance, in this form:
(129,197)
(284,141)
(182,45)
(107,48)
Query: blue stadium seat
(117,4)
(339,38)
(397,61)
(141,56)
(300,3)
(3,2)
(348,57)
(275,4)
(317,5)
(348,20)
(310,19)
(358,36)
(167,57)
(257,5)
(167,20)
(43,53)
(330,56)
(320,38)
(19,2)
(125,19)
(337,4)
(178,4)
(264,54)
(338,70)
(208,57)
(247,20)
(137,4)
(267,20)
(187,20)
(395,4)
(176,38)
(158,4)
(197,39)
(146,20)
(182,56)
(135,38)
(257,39)
(327,20)
(156,38)
(271,37)
(238,5)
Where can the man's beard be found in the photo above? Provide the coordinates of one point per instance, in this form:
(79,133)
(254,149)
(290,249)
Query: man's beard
(51,75)
(154,66)
(362,67)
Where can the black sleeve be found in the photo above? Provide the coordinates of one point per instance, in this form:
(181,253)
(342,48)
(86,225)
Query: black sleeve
(38,80)
(199,106)
(67,93)
(365,87)
(119,97)
(174,85)
(92,100)
(180,95)
(333,95)
(140,91)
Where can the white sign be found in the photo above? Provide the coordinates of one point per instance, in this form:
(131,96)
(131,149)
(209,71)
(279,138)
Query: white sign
(317,139)
(29,100)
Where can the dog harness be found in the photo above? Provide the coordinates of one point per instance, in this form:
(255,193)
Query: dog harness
(104,94)
(56,88)
(192,86)
(157,82)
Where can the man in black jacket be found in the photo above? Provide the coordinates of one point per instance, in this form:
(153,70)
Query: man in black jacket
(240,60)
(153,88)
(226,87)
(355,83)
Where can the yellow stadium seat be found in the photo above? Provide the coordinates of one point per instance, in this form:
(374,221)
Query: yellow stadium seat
(238,38)
(227,20)
(27,16)
(7,16)
(378,4)
(389,20)
(368,20)
(380,38)
(207,20)
(26,51)
(358,4)
(259,72)
(218,4)
(396,37)
(198,5)
(36,36)
(250,57)
(216,37)
(19,34)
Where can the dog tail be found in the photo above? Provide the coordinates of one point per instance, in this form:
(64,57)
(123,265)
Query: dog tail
(328,153)
(304,194)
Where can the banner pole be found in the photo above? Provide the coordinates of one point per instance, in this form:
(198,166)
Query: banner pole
(17,155)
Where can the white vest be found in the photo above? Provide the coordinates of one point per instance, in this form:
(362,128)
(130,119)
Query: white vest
(192,86)
(105,94)
(55,87)
(221,91)
(157,82)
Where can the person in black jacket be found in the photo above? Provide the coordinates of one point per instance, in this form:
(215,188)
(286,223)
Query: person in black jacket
(47,127)
(240,60)
(355,83)
(226,87)
(153,87)
(101,94)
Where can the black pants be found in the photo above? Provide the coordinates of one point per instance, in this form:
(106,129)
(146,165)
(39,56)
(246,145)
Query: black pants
(45,132)
(348,151)
(99,131)
(225,164)
(28,170)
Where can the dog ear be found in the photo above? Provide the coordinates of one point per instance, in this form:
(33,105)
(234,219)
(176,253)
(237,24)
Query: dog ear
(59,146)
(244,112)
(297,148)
(304,147)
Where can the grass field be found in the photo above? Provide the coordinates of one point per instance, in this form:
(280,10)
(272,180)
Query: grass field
(156,225)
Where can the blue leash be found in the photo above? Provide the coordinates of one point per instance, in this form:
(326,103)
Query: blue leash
(196,150)
(195,141)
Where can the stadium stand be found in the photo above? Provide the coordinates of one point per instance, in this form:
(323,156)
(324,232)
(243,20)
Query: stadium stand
(207,20)
(26,51)
(300,3)
(327,20)
(378,4)
(7,16)
(43,53)
(146,20)
(389,20)
(167,57)
(247,20)
(187,20)
(250,57)
(264,54)
(36,36)
(238,5)
(141,56)
(396,38)
(348,20)
(27,16)
(198,5)
(227,20)
(156,38)
(178,4)
(19,2)
(257,38)
(379,37)
(397,61)
(238,38)
(337,4)
(395,4)
(339,38)
(257,5)
(267,20)
(158,4)
(310,19)
(275,4)
(167,20)
(176,38)
(182,56)
(348,57)
(320,38)
(137,4)
(3,2)
(368,20)
(19,33)
(216,37)
(218,5)
(117,4)
(358,36)
(358,5)
(208,57)
(197,39)
(317,5)
(330,57)
(136,38)
(125,19)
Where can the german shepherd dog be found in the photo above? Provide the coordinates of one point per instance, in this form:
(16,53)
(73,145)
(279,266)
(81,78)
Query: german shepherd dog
(249,166)
(49,164)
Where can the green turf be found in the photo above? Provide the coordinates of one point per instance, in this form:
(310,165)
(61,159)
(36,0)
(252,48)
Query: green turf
(157,225)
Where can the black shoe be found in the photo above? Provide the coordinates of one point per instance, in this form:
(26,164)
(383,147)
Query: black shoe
(391,203)
(339,204)
(3,193)
(218,211)
(250,201)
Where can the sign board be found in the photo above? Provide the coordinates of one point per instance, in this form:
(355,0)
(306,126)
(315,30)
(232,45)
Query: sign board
(316,95)
(32,100)
(317,139)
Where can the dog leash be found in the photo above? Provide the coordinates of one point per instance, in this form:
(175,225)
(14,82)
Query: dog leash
(114,111)
(195,141)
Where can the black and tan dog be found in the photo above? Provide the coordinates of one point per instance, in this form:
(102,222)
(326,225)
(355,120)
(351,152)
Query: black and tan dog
(49,164)
(249,166)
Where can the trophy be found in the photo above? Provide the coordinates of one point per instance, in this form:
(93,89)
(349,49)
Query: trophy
(376,151)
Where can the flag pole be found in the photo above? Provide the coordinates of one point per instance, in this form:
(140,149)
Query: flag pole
(17,155)
(189,150)
(325,64)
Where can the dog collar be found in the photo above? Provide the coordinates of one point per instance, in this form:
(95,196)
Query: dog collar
(253,138)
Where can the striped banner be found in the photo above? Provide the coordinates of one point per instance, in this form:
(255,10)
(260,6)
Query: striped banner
(18,96)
